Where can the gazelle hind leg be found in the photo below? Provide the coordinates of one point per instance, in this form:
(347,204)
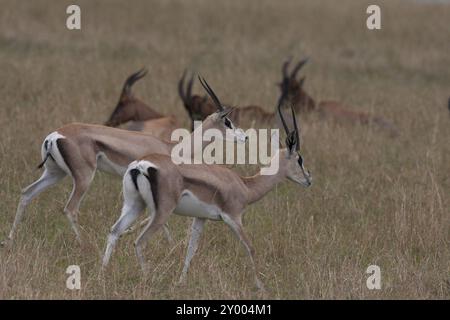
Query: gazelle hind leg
(49,177)
(130,212)
(196,231)
(144,222)
(236,225)
(159,219)
(81,184)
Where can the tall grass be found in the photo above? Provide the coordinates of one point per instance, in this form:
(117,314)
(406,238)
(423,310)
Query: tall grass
(375,200)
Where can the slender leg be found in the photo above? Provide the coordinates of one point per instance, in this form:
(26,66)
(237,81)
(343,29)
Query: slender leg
(196,231)
(129,214)
(236,225)
(167,234)
(159,219)
(49,177)
(144,222)
(80,186)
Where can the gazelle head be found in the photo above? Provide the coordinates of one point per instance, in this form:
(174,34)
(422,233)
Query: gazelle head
(220,120)
(129,108)
(294,165)
(292,88)
(198,107)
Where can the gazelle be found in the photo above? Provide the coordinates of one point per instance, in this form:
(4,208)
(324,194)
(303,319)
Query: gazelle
(78,150)
(200,107)
(138,116)
(204,192)
(292,88)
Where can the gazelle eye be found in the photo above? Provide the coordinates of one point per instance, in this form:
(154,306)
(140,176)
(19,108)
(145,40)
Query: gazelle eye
(228,123)
(300,160)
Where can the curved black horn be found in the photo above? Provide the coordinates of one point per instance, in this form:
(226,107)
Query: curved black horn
(298,67)
(280,103)
(132,79)
(211,93)
(189,87)
(297,135)
(284,68)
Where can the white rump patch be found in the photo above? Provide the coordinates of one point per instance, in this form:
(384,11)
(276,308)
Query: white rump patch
(52,148)
(143,165)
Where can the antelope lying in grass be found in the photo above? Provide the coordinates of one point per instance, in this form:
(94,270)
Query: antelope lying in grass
(140,117)
(200,191)
(199,107)
(292,88)
(78,150)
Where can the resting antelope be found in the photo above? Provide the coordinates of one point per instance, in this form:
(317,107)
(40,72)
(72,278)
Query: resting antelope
(204,192)
(138,116)
(78,150)
(200,107)
(292,88)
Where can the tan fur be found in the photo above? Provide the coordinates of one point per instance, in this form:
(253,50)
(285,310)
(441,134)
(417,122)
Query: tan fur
(222,193)
(137,116)
(83,146)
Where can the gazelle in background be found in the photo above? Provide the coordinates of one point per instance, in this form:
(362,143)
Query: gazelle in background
(79,150)
(138,116)
(292,88)
(199,107)
(204,192)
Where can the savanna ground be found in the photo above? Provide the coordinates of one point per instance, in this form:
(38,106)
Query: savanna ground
(375,200)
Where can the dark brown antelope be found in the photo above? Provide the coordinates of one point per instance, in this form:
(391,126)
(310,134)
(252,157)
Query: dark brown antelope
(199,107)
(292,88)
(204,192)
(138,116)
(78,150)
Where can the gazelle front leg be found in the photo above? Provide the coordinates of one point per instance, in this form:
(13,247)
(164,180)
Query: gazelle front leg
(235,223)
(196,231)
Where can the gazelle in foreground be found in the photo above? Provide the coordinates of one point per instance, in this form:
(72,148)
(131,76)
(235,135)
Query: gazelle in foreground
(292,88)
(200,191)
(200,107)
(138,116)
(78,150)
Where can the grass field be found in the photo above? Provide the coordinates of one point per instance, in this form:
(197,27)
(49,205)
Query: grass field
(375,200)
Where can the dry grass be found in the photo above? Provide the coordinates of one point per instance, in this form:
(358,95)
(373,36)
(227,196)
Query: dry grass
(375,200)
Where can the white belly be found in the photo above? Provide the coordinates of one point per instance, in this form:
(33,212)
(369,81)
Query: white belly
(106,165)
(189,205)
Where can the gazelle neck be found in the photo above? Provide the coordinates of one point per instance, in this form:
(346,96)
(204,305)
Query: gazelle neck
(258,185)
(144,112)
(194,144)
